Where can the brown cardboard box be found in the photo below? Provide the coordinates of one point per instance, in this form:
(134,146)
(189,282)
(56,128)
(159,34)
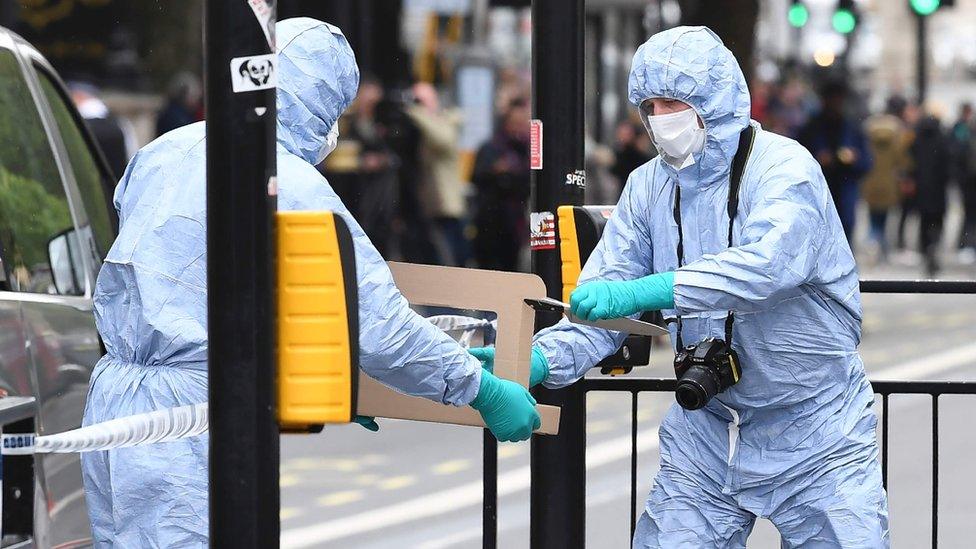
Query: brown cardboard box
(476,289)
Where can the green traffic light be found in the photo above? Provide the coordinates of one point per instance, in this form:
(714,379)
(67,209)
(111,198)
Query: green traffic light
(798,15)
(924,7)
(844,21)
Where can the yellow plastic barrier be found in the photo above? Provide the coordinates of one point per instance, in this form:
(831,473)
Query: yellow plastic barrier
(318,321)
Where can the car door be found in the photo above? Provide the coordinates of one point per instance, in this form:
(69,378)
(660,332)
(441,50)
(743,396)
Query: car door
(69,229)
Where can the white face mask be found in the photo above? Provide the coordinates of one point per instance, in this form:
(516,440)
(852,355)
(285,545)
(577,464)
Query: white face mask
(677,136)
(331,141)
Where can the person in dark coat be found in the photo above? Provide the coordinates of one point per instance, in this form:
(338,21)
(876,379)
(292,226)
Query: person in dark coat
(114,135)
(964,162)
(932,158)
(501,178)
(182,105)
(839,145)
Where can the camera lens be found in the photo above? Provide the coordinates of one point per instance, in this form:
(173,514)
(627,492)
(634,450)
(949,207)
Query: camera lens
(690,396)
(696,388)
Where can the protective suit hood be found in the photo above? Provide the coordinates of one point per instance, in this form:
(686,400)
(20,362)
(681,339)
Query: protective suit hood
(691,64)
(317,80)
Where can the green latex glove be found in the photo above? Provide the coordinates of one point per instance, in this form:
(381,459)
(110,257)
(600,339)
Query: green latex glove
(538,373)
(367,422)
(604,299)
(507,408)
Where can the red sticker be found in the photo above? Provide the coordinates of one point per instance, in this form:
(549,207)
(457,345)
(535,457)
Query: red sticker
(535,146)
(543,231)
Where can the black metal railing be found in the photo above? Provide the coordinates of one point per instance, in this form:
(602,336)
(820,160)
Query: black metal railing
(882,388)
(635,386)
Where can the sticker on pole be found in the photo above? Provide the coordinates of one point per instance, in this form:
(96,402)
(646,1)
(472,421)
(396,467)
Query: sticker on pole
(543,231)
(256,72)
(576,179)
(264,11)
(19,444)
(535,146)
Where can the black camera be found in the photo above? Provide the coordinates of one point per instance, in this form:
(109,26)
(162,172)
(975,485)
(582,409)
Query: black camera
(704,370)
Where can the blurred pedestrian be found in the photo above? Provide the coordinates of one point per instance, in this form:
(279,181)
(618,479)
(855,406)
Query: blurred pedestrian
(368,184)
(501,179)
(631,148)
(964,164)
(440,168)
(889,150)
(909,114)
(837,142)
(931,153)
(115,135)
(183,103)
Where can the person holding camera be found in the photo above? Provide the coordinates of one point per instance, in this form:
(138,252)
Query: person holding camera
(732,234)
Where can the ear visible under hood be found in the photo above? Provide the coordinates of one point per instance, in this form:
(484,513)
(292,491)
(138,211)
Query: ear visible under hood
(317,80)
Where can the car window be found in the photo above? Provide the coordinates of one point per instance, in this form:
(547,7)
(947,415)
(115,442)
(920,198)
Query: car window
(33,206)
(83,165)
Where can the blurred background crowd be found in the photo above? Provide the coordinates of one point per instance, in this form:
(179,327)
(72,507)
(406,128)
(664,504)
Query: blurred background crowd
(433,157)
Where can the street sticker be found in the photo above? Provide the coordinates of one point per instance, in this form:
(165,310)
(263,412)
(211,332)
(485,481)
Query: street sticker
(577,178)
(18,444)
(264,11)
(255,72)
(542,226)
(535,144)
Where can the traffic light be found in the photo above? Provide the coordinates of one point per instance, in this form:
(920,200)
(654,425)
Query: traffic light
(845,17)
(798,15)
(924,7)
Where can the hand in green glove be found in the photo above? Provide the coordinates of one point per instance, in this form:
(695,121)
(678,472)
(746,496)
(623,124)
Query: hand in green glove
(604,299)
(539,366)
(368,423)
(507,408)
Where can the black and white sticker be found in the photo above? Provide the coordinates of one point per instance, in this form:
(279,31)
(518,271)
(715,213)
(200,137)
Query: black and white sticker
(18,444)
(256,72)
(577,178)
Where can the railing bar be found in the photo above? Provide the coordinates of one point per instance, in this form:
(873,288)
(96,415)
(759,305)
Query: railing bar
(918,286)
(633,463)
(489,516)
(935,471)
(884,440)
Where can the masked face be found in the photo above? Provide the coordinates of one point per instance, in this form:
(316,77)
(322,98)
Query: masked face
(331,141)
(677,136)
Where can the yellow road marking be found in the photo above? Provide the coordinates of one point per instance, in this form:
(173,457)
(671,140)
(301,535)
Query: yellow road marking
(340,498)
(395,483)
(509,450)
(289,512)
(451,467)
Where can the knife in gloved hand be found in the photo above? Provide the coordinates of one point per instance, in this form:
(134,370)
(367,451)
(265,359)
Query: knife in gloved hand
(626,325)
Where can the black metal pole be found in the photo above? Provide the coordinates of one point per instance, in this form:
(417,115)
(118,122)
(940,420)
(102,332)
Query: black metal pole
(241,168)
(558,462)
(921,63)
(489,483)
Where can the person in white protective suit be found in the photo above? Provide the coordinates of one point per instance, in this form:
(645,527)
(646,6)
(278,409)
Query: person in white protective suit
(792,438)
(151,306)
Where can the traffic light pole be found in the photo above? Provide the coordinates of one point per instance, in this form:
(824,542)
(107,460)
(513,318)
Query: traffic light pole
(241,167)
(921,63)
(558,491)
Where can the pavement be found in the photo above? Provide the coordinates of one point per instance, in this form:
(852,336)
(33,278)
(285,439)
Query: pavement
(419,485)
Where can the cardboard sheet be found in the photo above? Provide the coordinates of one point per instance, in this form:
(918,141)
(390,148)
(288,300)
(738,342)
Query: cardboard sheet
(499,292)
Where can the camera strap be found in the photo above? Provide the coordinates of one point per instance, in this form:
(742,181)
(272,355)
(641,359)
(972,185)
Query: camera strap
(746,140)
